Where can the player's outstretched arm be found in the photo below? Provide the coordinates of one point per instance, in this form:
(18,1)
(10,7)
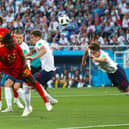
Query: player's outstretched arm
(83,63)
(31,52)
(99,59)
(41,52)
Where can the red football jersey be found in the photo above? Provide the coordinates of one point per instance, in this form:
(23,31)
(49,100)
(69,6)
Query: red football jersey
(11,60)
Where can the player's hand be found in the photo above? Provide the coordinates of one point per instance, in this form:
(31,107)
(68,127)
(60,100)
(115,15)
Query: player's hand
(29,58)
(92,57)
(83,63)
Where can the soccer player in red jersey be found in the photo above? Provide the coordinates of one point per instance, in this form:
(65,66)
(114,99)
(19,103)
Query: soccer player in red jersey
(14,64)
(3,78)
(16,100)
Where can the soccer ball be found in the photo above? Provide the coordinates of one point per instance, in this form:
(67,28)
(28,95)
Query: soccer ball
(64,20)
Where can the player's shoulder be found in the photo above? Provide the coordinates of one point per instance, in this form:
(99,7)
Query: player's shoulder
(42,43)
(103,53)
(25,44)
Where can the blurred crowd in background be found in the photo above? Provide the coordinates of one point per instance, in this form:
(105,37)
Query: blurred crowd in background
(104,21)
(70,78)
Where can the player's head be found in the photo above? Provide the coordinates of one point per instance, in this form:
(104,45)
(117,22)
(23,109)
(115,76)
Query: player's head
(94,49)
(1,21)
(36,35)
(19,37)
(8,41)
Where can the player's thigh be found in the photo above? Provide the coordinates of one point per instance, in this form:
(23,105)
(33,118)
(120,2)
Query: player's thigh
(9,83)
(17,85)
(43,76)
(119,78)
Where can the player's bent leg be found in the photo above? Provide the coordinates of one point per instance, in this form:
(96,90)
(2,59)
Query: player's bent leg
(16,100)
(27,109)
(43,77)
(50,98)
(27,92)
(31,81)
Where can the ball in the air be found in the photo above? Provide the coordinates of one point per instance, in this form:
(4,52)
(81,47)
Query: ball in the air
(63,20)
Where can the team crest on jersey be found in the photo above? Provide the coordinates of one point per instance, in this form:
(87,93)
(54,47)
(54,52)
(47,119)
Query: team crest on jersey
(26,73)
(25,51)
(39,44)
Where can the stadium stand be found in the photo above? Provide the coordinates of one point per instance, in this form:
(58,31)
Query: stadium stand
(103,21)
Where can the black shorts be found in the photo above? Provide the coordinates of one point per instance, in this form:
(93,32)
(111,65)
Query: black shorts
(119,79)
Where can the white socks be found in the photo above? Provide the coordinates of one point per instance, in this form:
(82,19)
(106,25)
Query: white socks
(8,97)
(27,93)
(23,97)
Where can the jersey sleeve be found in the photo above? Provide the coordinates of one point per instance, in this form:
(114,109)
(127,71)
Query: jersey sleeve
(39,44)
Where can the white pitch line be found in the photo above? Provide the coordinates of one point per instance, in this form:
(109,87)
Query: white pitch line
(96,126)
(85,95)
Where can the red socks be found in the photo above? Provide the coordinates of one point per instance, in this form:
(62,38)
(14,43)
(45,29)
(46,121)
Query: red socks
(15,93)
(39,89)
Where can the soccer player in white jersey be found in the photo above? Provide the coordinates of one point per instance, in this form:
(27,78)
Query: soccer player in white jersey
(19,40)
(101,59)
(45,54)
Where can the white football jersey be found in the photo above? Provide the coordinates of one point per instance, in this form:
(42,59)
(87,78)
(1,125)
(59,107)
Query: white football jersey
(25,49)
(109,66)
(47,60)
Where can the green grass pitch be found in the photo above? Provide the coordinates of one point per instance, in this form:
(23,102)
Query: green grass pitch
(84,108)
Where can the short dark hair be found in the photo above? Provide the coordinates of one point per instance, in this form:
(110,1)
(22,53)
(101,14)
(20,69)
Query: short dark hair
(37,33)
(94,46)
(7,38)
(1,20)
(18,32)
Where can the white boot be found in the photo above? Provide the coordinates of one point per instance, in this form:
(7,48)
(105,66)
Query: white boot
(26,112)
(52,100)
(0,105)
(8,109)
(18,103)
(48,106)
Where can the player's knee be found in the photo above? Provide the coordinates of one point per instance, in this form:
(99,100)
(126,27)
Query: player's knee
(16,86)
(8,83)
